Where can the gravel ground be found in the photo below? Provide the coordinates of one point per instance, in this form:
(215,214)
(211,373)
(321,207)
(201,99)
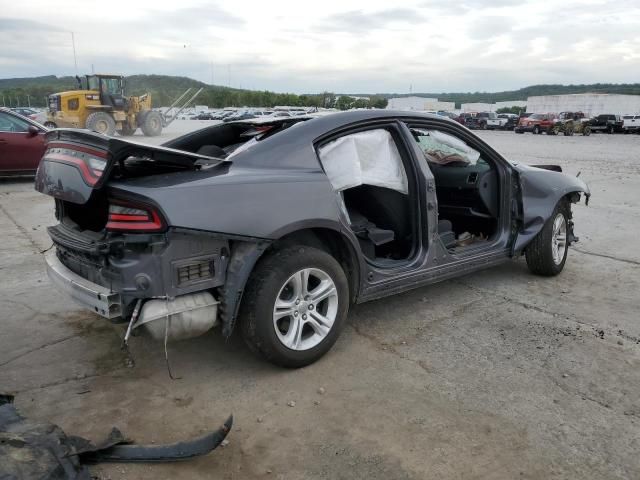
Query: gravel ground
(497,375)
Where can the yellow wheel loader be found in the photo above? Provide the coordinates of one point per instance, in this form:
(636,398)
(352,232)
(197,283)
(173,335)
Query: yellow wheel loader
(101,106)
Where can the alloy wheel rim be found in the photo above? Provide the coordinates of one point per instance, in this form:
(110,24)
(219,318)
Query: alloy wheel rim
(559,239)
(305,309)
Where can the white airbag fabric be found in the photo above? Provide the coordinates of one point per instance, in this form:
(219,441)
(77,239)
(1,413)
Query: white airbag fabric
(364,158)
(443,148)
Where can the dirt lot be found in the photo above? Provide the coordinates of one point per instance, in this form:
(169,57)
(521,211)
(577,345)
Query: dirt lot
(499,375)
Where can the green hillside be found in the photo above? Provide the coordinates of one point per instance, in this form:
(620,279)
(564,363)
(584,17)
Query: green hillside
(524,93)
(164,89)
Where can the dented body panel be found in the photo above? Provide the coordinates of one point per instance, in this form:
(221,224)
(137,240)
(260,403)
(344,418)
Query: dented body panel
(542,189)
(218,217)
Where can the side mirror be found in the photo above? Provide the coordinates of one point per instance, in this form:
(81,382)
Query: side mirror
(32,131)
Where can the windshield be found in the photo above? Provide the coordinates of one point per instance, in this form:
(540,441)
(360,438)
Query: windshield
(111,86)
(537,116)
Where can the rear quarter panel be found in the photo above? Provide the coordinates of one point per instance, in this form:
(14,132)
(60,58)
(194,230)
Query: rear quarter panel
(244,202)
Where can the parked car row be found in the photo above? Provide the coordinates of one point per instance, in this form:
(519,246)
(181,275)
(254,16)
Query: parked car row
(233,114)
(570,123)
(487,120)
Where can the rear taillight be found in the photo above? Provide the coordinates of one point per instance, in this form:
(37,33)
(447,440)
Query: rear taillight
(91,163)
(125,216)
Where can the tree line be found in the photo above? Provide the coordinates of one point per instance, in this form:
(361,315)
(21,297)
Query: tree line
(165,89)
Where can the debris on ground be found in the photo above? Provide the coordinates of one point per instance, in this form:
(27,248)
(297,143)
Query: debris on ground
(43,450)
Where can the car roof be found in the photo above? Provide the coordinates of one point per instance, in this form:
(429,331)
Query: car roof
(22,117)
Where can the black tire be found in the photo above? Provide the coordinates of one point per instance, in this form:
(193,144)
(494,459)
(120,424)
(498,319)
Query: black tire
(263,288)
(539,253)
(151,124)
(101,122)
(610,130)
(127,131)
(536,130)
(50,125)
(586,132)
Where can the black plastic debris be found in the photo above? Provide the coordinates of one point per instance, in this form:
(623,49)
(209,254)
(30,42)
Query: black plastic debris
(42,450)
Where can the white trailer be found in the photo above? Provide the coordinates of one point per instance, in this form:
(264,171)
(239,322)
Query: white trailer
(591,104)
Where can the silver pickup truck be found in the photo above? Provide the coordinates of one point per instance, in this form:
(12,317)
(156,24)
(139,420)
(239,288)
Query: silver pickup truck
(631,123)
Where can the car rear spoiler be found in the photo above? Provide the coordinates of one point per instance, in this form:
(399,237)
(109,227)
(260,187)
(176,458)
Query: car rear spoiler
(76,162)
(120,149)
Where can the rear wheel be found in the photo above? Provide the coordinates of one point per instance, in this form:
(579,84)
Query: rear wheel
(294,306)
(586,132)
(547,253)
(151,124)
(536,130)
(610,129)
(101,122)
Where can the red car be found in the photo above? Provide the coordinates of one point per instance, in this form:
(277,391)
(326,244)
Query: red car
(21,143)
(536,123)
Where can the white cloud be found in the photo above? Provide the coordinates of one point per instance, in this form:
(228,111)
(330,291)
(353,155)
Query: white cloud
(344,46)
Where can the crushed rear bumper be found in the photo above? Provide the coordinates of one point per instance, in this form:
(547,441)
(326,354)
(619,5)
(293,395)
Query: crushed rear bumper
(95,297)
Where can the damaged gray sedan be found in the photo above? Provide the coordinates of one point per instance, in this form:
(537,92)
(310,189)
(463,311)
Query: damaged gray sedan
(279,225)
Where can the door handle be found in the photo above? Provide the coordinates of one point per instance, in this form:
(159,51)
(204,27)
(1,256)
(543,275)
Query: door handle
(2,141)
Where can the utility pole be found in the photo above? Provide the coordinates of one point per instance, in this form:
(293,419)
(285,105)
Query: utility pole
(212,73)
(92,70)
(229,75)
(17,100)
(29,101)
(75,60)
(3,104)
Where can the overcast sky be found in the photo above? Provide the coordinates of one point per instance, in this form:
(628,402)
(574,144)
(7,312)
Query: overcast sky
(341,46)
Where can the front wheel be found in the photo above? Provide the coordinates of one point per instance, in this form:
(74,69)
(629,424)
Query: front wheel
(547,252)
(101,122)
(536,130)
(151,124)
(294,306)
(50,125)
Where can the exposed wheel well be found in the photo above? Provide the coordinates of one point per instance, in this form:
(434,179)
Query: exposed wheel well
(332,242)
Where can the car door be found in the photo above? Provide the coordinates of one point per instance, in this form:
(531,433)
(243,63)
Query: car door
(433,260)
(20,148)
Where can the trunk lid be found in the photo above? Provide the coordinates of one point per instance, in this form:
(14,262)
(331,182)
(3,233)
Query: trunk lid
(78,163)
